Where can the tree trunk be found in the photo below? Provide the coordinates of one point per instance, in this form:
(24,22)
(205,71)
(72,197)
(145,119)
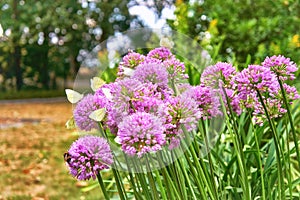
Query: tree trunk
(17,51)
(17,66)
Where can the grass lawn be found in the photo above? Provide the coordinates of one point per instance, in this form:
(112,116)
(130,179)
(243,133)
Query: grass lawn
(33,139)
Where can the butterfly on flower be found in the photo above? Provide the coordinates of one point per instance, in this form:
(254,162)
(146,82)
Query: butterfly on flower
(67,157)
(2,37)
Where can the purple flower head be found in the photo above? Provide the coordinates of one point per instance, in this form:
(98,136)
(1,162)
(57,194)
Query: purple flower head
(207,100)
(274,108)
(82,111)
(234,100)
(221,71)
(101,98)
(88,155)
(148,98)
(141,133)
(129,96)
(176,112)
(283,67)
(176,69)
(291,92)
(121,92)
(150,60)
(253,78)
(161,53)
(131,61)
(154,73)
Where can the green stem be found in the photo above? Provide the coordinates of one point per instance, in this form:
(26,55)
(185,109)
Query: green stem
(196,163)
(239,150)
(171,189)
(281,190)
(291,120)
(140,174)
(260,167)
(204,135)
(121,192)
(160,185)
(187,178)
(198,183)
(120,186)
(178,174)
(132,181)
(151,180)
(289,177)
(100,181)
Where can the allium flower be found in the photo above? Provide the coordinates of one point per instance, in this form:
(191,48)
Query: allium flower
(260,79)
(221,71)
(140,133)
(153,73)
(291,92)
(220,78)
(102,96)
(161,53)
(176,112)
(283,67)
(121,92)
(129,96)
(176,69)
(82,111)
(207,100)
(274,108)
(88,155)
(234,100)
(131,61)
(253,78)
(148,98)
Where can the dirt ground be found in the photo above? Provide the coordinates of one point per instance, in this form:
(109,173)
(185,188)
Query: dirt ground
(33,139)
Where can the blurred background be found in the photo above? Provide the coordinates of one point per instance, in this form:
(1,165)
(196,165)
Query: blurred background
(44,43)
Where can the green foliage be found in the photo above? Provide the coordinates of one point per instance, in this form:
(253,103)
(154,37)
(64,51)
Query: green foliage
(46,38)
(231,30)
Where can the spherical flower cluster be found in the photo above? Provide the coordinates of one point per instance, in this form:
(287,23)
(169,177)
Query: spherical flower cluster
(179,111)
(258,85)
(283,67)
(150,104)
(154,73)
(175,68)
(207,100)
(129,62)
(140,133)
(220,78)
(161,53)
(291,92)
(87,156)
(253,78)
(221,72)
(82,111)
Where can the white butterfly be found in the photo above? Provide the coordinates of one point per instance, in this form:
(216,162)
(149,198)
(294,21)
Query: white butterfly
(73,96)
(96,83)
(166,42)
(127,71)
(1,31)
(98,115)
(70,124)
(2,37)
(107,93)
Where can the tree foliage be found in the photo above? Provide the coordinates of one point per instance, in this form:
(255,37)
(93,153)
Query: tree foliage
(242,31)
(44,39)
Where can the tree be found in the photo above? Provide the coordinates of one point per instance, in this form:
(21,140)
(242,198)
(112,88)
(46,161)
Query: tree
(47,34)
(243,30)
